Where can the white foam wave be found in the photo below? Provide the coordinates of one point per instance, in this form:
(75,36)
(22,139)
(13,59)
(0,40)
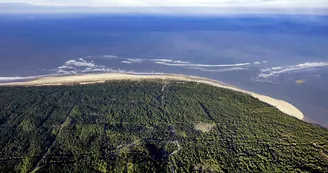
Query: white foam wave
(65,67)
(135,60)
(76,66)
(148,73)
(80,66)
(66,72)
(110,56)
(16,78)
(101,57)
(271,69)
(126,62)
(79,63)
(202,65)
(161,60)
(219,70)
(99,69)
(276,71)
(169,61)
(181,62)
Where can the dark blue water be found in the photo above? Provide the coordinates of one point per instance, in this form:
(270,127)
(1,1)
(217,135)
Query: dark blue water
(266,54)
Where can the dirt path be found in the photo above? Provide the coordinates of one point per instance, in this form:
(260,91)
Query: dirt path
(37,166)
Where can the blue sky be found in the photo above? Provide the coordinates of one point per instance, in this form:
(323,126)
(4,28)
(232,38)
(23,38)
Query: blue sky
(218,3)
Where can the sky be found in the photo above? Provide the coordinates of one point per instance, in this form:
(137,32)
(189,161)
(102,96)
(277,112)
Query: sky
(217,3)
(188,7)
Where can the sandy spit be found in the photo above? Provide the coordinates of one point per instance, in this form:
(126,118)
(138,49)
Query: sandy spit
(283,106)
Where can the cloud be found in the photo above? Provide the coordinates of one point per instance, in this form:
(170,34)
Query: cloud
(266,3)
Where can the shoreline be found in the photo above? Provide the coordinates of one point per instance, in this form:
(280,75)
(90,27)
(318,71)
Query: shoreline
(84,79)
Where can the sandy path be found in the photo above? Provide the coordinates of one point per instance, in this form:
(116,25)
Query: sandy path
(100,78)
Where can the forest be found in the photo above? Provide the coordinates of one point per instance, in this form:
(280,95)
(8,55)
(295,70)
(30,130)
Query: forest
(151,126)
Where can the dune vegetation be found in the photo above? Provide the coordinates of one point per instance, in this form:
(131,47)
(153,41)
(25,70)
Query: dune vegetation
(151,126)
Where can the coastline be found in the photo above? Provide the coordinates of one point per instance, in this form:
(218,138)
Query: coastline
(83,79)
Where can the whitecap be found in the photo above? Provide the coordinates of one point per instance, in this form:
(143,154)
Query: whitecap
(276,71)
(202,65)
(219,70)
(135,60)
(126,62)
(80,63)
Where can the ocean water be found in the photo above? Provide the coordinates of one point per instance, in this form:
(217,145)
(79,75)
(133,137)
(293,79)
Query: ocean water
(283,56)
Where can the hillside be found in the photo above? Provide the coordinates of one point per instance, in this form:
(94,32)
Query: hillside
(148,126)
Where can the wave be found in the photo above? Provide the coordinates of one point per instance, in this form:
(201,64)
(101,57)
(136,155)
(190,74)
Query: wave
(110,56)
(161,60)
(136,60)
(78,66)
(70,67)
(219,70)
(87,65)
(16,78)
(169,62)
(77,63)
(126,62)
(276,71)
(202,65)
(65,72)
(102,57)
(22,78)
(149,73)
(65,67)
(181,62)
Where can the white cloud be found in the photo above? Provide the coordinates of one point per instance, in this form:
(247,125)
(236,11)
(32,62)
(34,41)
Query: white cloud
(264,3)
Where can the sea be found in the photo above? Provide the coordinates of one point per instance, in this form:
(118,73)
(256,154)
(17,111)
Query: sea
(282,56)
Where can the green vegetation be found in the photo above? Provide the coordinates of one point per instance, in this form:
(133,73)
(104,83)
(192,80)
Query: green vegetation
(150,127)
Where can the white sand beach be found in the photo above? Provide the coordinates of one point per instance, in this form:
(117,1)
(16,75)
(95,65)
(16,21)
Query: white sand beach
(100,78)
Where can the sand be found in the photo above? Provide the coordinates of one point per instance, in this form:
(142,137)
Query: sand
(300,81)
(283,106)
(204,127)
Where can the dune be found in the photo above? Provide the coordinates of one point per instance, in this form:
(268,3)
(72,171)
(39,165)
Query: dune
(281,105)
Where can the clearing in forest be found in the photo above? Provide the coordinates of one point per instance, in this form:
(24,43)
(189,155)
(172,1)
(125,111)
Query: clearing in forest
(204,127)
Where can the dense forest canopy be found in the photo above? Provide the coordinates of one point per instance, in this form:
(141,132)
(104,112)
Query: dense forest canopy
(149,126)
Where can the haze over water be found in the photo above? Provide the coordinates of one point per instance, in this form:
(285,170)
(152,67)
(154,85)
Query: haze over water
(283,56)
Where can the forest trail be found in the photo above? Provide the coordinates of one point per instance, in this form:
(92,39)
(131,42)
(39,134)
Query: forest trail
(37,166)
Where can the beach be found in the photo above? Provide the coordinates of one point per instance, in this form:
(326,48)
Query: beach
(84,79)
